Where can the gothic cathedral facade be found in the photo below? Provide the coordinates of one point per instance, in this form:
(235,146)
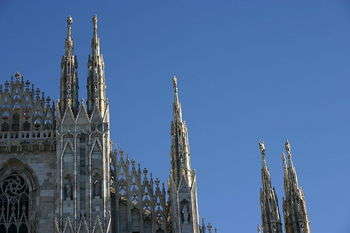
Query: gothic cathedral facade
(60,174)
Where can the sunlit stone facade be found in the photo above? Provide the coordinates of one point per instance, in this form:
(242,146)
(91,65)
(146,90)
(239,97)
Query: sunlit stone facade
(59,172)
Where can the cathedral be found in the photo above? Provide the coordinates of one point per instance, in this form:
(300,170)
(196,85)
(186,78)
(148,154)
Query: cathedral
(59,172)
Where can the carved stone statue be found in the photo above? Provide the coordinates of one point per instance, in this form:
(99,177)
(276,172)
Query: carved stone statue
(96,187)
(68,189)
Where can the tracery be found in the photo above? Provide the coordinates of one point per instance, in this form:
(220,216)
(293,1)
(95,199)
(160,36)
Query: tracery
(14,204)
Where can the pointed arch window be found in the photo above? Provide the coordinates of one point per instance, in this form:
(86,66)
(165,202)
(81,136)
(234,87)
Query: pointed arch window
(37,124)
(48,124)
(15,204)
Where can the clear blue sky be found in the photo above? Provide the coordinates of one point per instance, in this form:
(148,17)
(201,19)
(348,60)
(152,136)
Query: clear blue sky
(247,70)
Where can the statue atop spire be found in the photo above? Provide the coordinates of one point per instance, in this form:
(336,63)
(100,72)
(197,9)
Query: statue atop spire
(288,155)
(262,148)
(175,84)
(287,146)
(94,21)
(18,76)
(262,153)
(69,24)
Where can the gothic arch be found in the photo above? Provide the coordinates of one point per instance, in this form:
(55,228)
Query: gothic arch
(20,167)
(18,198)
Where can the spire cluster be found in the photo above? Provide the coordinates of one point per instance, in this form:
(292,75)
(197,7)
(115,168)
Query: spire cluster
(294,205)
(96,87)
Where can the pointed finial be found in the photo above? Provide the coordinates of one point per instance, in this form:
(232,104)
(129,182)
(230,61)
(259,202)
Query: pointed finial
(69,26)
(157,181)
(175,84)
(287,146)
(262,153)
(288,149)
(18,76)
(176,90)
(262,148)
(69,20)
(94,21)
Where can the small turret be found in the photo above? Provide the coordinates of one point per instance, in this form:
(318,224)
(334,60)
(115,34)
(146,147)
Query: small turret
(83,137)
